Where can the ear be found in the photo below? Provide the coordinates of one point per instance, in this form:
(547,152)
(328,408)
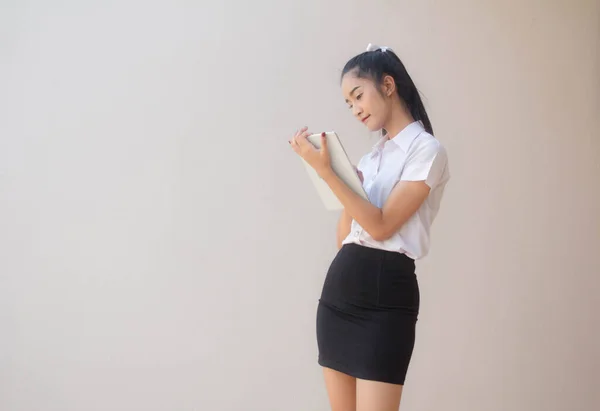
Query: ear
(388,86)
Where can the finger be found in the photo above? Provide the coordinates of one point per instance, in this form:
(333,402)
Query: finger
(305,133)
(302,139)
(302,130)
(324,147)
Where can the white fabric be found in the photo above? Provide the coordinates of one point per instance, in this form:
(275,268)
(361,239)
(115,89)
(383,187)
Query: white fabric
(373,47)
(412,155)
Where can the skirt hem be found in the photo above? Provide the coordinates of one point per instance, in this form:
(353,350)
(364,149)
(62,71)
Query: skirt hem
(361,375)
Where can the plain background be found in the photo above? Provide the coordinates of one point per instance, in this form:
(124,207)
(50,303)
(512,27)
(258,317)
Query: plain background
(161,247)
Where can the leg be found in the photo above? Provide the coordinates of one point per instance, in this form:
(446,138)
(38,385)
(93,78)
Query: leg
(377,396)
(341,389)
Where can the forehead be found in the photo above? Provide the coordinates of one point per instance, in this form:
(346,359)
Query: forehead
(350,82)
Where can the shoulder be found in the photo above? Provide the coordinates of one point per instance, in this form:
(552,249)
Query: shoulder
(426,146)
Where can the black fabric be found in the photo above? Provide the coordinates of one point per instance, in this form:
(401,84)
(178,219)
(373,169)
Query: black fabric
(367,314)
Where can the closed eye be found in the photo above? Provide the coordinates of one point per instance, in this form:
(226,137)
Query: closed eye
(358,97)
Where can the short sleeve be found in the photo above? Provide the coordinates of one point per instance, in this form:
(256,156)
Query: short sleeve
(427,163)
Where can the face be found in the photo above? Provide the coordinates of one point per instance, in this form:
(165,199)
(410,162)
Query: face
(368,104)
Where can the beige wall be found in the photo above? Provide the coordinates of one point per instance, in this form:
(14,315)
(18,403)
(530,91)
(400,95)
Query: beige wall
(162,249)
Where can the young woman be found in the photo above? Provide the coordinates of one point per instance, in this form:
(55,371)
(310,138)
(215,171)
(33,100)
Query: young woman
(369,305)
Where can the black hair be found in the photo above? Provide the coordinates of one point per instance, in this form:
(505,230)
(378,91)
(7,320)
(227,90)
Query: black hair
(376,65)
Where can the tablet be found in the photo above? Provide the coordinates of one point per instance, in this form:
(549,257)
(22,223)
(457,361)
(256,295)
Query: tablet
(341,165)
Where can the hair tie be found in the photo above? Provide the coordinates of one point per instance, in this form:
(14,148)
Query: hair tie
(373,47)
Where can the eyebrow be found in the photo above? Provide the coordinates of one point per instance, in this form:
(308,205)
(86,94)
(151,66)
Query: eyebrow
(352,92)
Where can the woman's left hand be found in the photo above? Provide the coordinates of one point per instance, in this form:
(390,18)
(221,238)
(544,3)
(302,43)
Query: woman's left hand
(317,159)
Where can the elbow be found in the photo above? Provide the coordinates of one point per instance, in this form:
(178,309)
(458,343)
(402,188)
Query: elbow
(380,238)
(384,231)
(381,234)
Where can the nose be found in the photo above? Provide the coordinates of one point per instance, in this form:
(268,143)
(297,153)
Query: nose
(357,111)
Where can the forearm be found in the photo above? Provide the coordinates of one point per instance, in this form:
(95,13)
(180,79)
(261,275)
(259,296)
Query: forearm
(366,214)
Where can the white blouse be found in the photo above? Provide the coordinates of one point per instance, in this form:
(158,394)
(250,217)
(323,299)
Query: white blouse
(412,155)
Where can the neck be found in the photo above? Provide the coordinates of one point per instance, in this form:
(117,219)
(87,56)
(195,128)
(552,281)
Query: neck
(399,119)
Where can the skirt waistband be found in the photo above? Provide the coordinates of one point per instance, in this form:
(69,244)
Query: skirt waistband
(378,254)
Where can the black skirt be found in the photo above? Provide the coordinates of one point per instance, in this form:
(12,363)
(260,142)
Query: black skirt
(367,314)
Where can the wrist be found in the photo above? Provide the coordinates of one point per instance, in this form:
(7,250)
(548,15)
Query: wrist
(326,173)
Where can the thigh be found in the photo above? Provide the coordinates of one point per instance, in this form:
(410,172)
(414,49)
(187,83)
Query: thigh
(377,396)
(341,389)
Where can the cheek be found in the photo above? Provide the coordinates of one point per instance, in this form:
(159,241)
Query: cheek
(375,106)
(370,105)
(380,113)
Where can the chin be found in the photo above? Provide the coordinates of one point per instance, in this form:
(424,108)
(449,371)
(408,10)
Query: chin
(373,128)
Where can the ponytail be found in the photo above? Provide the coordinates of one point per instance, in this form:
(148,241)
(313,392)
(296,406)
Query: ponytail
(416,107)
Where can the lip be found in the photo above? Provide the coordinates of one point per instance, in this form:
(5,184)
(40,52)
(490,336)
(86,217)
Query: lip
(364,120)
